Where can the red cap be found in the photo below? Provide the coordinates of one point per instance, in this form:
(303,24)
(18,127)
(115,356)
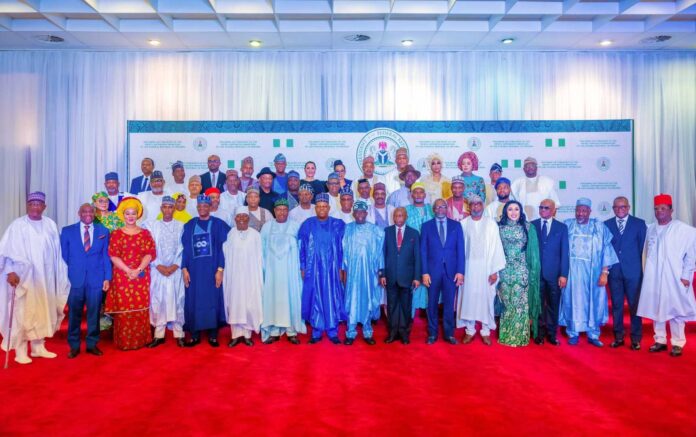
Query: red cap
(211,190)
(663,199)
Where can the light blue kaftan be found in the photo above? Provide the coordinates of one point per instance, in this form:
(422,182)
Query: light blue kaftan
(416,218)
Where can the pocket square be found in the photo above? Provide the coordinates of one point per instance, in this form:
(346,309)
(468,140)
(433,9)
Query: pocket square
(102,237)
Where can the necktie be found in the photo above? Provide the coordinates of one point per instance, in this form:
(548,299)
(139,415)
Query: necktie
(399,238)
(621,226)
(85,238)
(441,231)
(544,230)
(145,182)
(212,179)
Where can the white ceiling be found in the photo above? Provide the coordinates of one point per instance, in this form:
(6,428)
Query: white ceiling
(323,24)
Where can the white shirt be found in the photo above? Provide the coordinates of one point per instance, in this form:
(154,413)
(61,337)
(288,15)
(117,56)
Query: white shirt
(90,230)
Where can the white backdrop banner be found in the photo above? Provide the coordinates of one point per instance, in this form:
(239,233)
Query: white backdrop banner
(586,158)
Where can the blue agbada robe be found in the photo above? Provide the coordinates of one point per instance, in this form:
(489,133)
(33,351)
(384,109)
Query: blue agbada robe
(584,303)
(321,256)
(362,260)
(204,306)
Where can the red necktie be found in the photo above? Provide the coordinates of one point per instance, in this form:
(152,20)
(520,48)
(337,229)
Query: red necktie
(85,239)
(399,238)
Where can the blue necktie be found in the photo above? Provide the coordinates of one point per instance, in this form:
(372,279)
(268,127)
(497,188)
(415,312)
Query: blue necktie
(441,231)
(544,231)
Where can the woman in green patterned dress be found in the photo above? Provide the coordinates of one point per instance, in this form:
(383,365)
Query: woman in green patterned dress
(518,288)
(107,218)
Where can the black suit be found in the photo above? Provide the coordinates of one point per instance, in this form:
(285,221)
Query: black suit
(401,268)
(554,258)
(206,181)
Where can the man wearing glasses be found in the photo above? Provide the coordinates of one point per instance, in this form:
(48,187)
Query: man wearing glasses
(213,177)
(553,253)
(628,238)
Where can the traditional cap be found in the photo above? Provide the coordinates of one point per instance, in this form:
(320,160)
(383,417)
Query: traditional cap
(345,191)
(196,178)
(177,164)
(229,173)
(241,210)
(248,160)
(368,159)
(111,176)
(253,189)
(281,201)
(306,187)
(157,175)
(417,185)
(129,203)
(379,186)
(496,167)
(360,206)
(662,199)
(337,162)
(409,169)
(279,158)
(36,196)
(168,200)
(529,160)
(332,175)
(293,174)
(202,198)
(502,180)
(458,180)
(211,190)
(322,197)
(99,195)
(584,201)
(472,157)
(474,198)
(265,171)
(401,151)
(363,181)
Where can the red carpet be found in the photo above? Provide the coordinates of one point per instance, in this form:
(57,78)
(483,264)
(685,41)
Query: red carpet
(328,389)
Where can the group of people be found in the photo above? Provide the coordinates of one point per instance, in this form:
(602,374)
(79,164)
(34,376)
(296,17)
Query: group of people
(274,254)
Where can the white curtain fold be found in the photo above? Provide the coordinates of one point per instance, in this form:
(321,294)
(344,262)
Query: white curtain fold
(70,108)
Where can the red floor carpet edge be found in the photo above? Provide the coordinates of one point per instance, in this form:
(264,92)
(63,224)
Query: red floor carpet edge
(327,389)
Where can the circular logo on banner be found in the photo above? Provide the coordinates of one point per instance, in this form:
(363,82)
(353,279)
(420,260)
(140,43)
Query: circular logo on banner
(381,144)
(200,144)
(603,163)
(474,143)
(604,208)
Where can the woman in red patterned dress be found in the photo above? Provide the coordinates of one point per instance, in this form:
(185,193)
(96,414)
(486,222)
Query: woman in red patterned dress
(131,250)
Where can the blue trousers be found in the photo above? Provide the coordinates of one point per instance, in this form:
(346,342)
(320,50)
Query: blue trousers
(352,330)
(623,288)
(331,332)
(441,284)
(77,299)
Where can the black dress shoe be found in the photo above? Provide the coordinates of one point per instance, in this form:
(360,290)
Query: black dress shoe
(538,340)
(213,342)
(390,339)
(234,342)
(658,347)
(616,343)
(73,353)
(635,345)
(430,340)
(95,351)
(405,341)
(314,340)
(180,342)
(293,339)
(451,340)
(193,342)
(156,342)
(274,338)
(554,341)
(676,351)
(348,341)
(335,340)
(248,341)
(371,341)
(269,340)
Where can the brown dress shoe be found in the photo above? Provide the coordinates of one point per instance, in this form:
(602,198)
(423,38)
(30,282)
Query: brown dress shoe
(486,339)
(467,339)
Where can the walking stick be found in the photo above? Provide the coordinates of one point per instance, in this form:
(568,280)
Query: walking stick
(9,331)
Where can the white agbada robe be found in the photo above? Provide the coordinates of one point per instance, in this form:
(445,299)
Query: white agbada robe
(167,292)
(151,205)
(192,206)
(531,191)
(223,214)
(484,256)
(347,217)
(392,181)
(494,210)
(299,215)
(31,249)
(174,188)
(243,281)
(670,255)
(231,202)
(386,213)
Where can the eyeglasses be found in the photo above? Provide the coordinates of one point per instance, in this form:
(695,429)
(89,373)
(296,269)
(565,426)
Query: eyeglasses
(213,160)
(441,207)
(620,207)
(544,207)
(332,183)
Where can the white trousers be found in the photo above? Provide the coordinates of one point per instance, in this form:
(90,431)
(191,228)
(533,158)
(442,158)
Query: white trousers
(470,328)
(676,328)
(176,328)
(238,331)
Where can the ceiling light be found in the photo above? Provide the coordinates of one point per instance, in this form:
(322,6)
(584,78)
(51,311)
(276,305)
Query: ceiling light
(255,43)
(507,40)
(49,39)
(407,42)
(356,38)
(154,42)
(605,42)
(655,39)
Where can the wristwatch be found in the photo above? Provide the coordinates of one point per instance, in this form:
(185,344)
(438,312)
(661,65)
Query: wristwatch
(220,269)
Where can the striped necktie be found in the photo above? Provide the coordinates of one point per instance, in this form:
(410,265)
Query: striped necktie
(621,226)
(86,239)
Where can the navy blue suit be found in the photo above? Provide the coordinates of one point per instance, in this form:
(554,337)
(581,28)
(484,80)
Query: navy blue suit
(553,254)
(401,267)
(137,184)
(626,276)
(87,271)
(442,263)
(112,206)
(207,182)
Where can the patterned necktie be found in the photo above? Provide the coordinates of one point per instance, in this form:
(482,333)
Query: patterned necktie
(85,238)
(399,238)
(621,226)
(441,231)
(544,230)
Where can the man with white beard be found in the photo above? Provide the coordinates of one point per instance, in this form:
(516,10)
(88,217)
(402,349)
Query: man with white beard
(484,259)
(31,263)
(167,286)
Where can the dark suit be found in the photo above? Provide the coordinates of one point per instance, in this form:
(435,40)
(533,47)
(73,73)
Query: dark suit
(112,206)
(401,268)
(87,271)
(626,276)
(442,263)
(553,254)
(206,181)
(137,184)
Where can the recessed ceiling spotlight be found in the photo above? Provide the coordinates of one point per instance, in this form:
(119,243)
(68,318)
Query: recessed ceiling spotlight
(154,42)
(49,39)
(507,40)
(606,42)
(655,39)
(255,43)
(357,38)
(407,42)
